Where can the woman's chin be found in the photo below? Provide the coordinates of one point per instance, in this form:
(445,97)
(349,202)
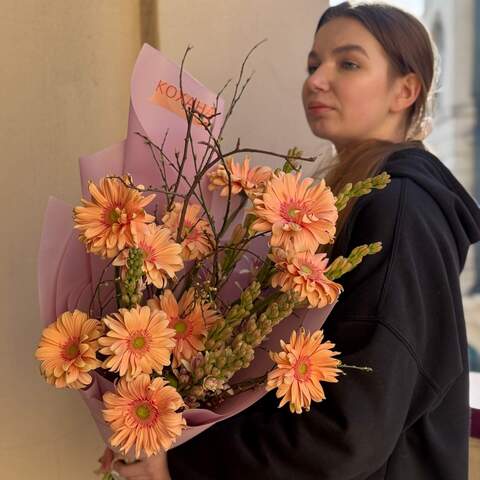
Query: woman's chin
(320,127)
(323,132)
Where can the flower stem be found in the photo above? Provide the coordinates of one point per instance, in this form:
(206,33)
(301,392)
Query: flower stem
(118,290)
(355,367)
(233,216)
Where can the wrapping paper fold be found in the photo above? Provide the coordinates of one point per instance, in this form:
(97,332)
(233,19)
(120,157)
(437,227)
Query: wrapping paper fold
(67,275)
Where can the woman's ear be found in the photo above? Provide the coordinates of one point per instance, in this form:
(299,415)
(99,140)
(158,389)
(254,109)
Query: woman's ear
(407,89)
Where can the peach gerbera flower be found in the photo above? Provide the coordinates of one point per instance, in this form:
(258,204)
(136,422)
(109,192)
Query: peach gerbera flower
(111,220)
(301,366)
(197,234)
(161,255)
(67,350)
(300,216)
(143,413)
(138,341)
(304,273)
(189,318)
(242,177)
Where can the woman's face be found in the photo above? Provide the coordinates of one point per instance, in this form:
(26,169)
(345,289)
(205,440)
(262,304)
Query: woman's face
(348,72)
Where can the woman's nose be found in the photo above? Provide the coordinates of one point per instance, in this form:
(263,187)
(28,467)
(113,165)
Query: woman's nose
(320,79)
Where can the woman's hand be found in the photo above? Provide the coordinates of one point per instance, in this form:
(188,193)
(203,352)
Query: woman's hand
(105,461)
(151,468)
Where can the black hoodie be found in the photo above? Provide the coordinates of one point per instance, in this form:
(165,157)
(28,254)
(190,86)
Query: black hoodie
(401,314)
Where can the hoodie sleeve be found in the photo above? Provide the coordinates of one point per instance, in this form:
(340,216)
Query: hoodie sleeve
(351,434)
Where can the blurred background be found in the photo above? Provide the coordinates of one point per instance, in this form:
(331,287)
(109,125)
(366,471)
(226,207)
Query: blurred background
(65,93)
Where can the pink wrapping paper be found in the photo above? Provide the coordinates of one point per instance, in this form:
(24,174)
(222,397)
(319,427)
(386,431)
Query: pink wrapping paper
(67,275)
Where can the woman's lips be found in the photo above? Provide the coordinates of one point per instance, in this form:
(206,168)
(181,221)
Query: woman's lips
(318,109)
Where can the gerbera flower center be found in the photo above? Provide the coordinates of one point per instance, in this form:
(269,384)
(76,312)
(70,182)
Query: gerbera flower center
(180,327)
(114,215)
(292,211)
(310,270)
(306,269)
(302,368)
(71,349)
(145,412)
(139,342)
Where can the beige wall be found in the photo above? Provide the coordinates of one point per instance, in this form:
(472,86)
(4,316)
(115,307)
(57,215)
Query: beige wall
(65,90)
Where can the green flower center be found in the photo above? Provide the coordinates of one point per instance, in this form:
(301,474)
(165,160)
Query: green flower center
(293,212)
(72,351)
(306,269)
(138,342)
(115,215)
(302,369)
(180,327)
(143,411)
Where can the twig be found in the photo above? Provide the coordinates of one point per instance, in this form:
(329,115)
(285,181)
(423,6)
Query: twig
(97,288)
(266,152)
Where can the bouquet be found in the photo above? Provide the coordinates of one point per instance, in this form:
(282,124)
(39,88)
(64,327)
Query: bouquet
(189,282)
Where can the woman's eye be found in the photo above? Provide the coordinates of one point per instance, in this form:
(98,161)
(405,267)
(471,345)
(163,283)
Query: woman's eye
(349,65)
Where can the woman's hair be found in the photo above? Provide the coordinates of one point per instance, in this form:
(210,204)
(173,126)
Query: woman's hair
(409,49)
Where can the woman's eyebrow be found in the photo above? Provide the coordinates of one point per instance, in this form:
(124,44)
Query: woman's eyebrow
(342,48)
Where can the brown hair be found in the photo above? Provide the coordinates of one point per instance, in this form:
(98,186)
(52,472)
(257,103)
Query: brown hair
(409,49)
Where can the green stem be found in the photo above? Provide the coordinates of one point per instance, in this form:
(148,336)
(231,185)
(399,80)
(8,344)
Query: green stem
(233,216)
(118,291)
(265,272)
(258,307)
(354,367)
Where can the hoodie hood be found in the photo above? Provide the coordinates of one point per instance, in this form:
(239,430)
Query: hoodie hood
(459,207)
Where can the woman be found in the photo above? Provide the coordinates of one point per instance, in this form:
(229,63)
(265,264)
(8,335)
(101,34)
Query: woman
(369,75)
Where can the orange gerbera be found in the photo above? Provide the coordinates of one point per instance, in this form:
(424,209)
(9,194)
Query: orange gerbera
(68,349)
(197,234)
(161,255)
(304,273)
(138,341)
(300,216)
(242,177)
(301,366)
(111,220)
(189,318)
(143,413)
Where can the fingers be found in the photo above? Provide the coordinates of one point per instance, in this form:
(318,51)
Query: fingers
(131,471)
(153,468)
(107,458)
(105,461)
(143,477)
